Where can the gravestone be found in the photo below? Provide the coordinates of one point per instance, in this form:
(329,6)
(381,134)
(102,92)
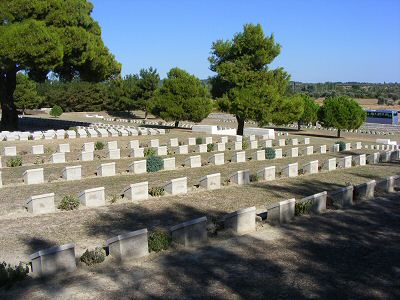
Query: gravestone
(358,146)
(193,161)
(217,159)
(239,138)
(53,260)
(176,186)
(57,158)
(10,151)
(267,173)
(209,140)
(202,148)
(345,162)
(278,153)
(220,146)
(311,167)
(240,177)
(86,156)
(259,155)
(268,144)
(72,173)
(237,146)
(89,146)
(252,137)
(33,176)
(107,169)
(347,147)
(329,165)
(93,197)
(322,149)
(293,152)
(174,142)
(137,191)
(360,160)
(253,144)
(138,167)
(129,245)
(169,163)
(113,145)
(154,143)
(137,153)
(364,191)
(41,204)
(306,141)
(37,149)
(190,233)
(281,142)
(281,212)
(191,141)
(162,151)
(295,142)
(291,170)
(317,202)
(71,134)
(342,197)
(335,148)
(134,144)
(211,182)
(239,157)
(241,221)
(183,149)
(114,154)
(224,139)
(309,150)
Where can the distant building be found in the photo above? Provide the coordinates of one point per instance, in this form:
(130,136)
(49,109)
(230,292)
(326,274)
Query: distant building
(383,116)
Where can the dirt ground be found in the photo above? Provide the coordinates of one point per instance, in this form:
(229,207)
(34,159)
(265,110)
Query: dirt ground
(351,254)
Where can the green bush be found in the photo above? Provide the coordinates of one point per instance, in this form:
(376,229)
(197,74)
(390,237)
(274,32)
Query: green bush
(159,240)
(92,257)
(269,153)
(210,147)
(302,208)
(9,275)
(14,162)
(245,145)
(154,164)
(148,152)
(69,203)
(254,178)
(99,145)
(199,140)
(156,191)
(56,111)
(342,145)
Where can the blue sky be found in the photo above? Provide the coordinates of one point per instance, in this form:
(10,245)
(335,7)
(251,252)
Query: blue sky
(353,40)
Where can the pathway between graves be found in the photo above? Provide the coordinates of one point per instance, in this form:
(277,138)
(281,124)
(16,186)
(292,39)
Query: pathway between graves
(351,254)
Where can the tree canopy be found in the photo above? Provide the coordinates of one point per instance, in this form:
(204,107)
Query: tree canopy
(147,85)
(182,97)
(26,94)
(341,112)
(244,84)
(39,36)
(310,112)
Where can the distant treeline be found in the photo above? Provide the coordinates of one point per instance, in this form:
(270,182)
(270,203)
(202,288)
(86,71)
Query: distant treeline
(353,89)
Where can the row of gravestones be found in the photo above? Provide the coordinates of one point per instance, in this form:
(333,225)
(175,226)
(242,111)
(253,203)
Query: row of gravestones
(362,131)
(140,191)
(36,176)
(134,245)
(81,132)
(147,122)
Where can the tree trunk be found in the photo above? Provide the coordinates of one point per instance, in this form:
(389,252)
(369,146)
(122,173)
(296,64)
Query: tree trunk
(176,124)
(298,126)
(240,127)
(145,114)
(338,133)
(8,83)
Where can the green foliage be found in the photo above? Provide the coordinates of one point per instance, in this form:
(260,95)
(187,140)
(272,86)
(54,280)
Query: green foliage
(159,240)
(26,94)
(269,153)
(245,144)
(149,152)
(342,145)
(99,145)
(154,164)
(289,111)
(69,203)
(254,178)
(341,113)
(148,81)
(96,256)
(156,191)
(302,208)
(210,147)
(181,97)
(310,113)
(56,111)
(14,162)
(199,140)
(244,85)
(9,275)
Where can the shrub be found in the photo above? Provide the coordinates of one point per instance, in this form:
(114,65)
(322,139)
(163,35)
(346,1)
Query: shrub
(269,153)
(302,208)
(156,191)
(254,178)
(154,164)
(99,145)
(342,145)
(245,145)
(69,203)
(9,275)
(210,147)
(96,256)
(199,140)
(159,240)
(56,111)
(14,162)
(149,152)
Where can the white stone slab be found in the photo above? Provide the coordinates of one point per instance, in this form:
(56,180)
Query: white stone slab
(220,146)
(217,159)
(211,181)
(191,141)
(240,177)
(37,149)
(360,160)
(202,148)
(311,167)
(278,153)
(176,186)
(154,143)
(335,148)
(107,169)
(329,165)
(86,156)
(345,162)
(322,149)
(169,163)
(130,245)
(267,173)
(295,142)
(259,155)
(72,173)
(89,146)
(57,158)
(253,144)
(174,142)
(209,140)
(293,152)
(93,197)
(10,151)
(137,153)
(134,144)
(281,142)
(291,170)
(306,141)
(239,157)
(138,167)
(183,149)
(41,204)
(309,150)
(237,146)
(113,145)
(63,148)
(33,176)
(137,191)
(241,221)
(114,154)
